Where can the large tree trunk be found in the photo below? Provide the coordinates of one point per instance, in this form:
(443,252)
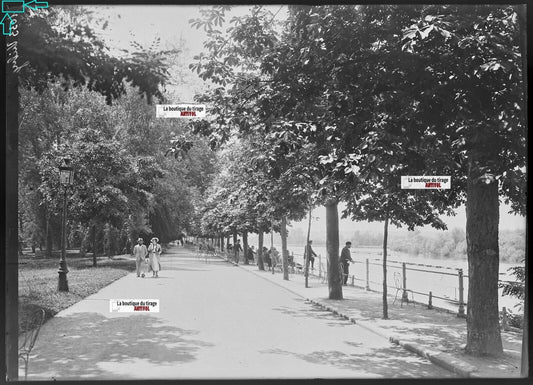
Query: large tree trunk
(245,246)
(332,246)
(385,236)
(260,262)
(482,219)
(11,189)
(284,251)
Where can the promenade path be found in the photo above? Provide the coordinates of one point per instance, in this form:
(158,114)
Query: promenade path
(216,321)
(437,334)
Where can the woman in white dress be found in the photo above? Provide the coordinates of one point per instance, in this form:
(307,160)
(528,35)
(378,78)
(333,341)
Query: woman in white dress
(154,252)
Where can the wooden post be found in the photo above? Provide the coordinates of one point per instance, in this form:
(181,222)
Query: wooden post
(367,275)
(430,303)
(353,279)
(319,266)
(405,297)
(461,311)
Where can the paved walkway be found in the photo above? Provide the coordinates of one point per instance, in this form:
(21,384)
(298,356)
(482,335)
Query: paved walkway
(435,334)
(218,309)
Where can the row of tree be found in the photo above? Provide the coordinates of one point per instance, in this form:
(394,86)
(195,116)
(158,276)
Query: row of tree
(67,96)
(338,102)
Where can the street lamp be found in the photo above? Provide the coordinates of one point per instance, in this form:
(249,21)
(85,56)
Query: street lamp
(66,178)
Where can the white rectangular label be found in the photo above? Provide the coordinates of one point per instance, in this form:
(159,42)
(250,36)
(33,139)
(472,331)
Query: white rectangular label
(426,182)
(180,111)
(134,305)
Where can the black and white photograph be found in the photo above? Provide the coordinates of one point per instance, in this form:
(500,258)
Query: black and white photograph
(265,191)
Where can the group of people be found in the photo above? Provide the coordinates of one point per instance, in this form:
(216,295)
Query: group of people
(345,259)
(150,255)
(272,257)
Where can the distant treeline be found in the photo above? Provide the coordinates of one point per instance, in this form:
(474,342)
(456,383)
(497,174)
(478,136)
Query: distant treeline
(450,244)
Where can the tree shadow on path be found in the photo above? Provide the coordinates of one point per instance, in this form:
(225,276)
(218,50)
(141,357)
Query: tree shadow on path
(73,346)
(373,363)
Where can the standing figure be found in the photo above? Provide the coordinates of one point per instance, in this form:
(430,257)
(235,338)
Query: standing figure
(311,254)
(237,250)
(274,257)
(266,257)
(139,252)
(154,251)
(251,254)
(346,258)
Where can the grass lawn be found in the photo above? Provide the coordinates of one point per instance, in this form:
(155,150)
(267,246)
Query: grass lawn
(38,279)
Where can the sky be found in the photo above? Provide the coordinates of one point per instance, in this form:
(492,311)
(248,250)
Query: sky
(170,23)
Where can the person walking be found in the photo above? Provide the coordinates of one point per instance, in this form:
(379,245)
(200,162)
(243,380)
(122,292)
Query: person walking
(140,253)
(154,251)
(309,252)
(251,254)
(274,258)
(237,249)
(266,257)
(346,258)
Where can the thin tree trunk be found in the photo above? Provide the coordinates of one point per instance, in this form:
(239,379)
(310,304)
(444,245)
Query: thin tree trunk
(235,246)
(332,246)
(260,262)
(21,230)
(245,246)
(107,240)
(94,245)
(284,251)
(385,237)
(84,240)
(482,219)
(306,253)
(48,236)
(272,258)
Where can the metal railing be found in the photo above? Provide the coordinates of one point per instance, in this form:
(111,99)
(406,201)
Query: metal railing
(366,282)
(320,272)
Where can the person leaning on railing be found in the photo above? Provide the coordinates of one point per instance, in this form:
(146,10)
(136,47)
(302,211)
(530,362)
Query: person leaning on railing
(346,258)
(309,252)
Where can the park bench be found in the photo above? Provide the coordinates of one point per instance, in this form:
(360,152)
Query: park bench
(26,343)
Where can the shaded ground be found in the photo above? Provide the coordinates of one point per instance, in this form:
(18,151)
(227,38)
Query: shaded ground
(434,329)
(216,321)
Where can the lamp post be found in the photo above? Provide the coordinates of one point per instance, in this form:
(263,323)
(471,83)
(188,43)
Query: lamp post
(66,178)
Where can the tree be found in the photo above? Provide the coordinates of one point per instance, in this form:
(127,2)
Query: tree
(232,62)
(52,50)
(478,86)
(454,61)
